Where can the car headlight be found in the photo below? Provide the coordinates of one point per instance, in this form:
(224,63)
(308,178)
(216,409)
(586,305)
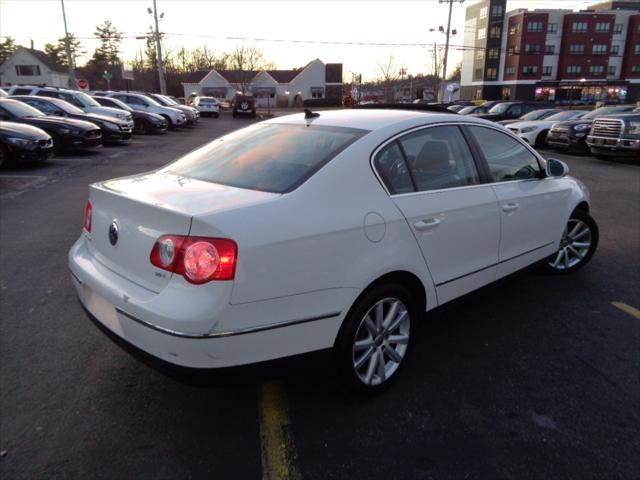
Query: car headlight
(121,116)
(22,143)
(528,129)
(583,127)
(634,127)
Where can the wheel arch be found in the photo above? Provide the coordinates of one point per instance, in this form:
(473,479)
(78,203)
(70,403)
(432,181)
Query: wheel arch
(583,206)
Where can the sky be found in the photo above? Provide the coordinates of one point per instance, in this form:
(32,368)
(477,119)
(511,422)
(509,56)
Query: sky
(304,27)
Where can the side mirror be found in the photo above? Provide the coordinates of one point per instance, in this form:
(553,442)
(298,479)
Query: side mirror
(557,168)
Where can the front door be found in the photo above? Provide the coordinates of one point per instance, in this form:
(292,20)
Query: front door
(532,206)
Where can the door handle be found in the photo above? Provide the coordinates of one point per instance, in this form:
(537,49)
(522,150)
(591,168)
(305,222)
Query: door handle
(427,224)
(510,207)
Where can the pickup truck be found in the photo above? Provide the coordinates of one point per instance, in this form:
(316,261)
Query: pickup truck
(615,136)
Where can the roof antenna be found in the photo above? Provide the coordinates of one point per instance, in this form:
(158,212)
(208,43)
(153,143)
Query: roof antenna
(309,114)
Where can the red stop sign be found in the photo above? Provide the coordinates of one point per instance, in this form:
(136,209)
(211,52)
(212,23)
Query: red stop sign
(82,83)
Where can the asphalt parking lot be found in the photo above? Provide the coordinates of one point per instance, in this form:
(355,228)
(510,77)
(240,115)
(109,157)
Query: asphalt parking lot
(535,377)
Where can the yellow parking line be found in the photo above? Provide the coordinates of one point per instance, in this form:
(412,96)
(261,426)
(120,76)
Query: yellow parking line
(276,437)
(634,312)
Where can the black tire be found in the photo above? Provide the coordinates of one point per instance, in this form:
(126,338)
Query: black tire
(352,329)
(563,264)
(541,140)
(142,127)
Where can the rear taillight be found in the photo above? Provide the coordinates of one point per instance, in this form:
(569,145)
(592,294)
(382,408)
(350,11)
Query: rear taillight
(197,259)
(88,210)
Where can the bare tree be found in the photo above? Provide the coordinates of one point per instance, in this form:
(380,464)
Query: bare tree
(247,59)
(388,73)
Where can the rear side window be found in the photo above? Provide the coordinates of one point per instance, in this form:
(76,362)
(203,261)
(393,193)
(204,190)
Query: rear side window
(21,91)
(272,158)
(392,168)
(439,157)
(48,93)
(507,158)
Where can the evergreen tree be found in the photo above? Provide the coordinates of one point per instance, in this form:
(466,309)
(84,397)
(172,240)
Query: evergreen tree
(7,48)
(110,39)
(58,51)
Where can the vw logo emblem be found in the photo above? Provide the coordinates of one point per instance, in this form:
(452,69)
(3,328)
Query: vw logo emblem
(113,233)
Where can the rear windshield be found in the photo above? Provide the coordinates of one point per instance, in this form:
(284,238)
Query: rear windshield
(267,157)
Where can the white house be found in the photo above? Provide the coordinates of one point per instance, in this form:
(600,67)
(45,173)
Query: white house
(27,66)
(270,87)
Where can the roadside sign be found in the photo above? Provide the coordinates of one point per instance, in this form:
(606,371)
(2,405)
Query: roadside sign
(107,75)
(83,84)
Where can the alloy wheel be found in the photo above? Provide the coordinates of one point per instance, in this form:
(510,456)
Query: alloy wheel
(381,341)
(574,246)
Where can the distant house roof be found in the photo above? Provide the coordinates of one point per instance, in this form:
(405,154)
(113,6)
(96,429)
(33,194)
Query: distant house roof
(238,76)
(284,76)
(195,77)
(48,61)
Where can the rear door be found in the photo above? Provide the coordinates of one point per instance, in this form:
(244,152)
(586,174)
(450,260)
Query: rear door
(532,206)
(434,180)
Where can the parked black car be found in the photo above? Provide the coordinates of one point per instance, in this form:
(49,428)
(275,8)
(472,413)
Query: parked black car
(615,136)
(113,130)
(509,110)
(244,105)
(572,135)
(23,142)
(144,122)
(67,133)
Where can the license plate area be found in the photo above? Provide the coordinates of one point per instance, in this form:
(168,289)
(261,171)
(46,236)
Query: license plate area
(100,307)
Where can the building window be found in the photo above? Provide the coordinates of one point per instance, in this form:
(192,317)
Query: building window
(596,69)
(27,70)
(576,49)
(506,93)
(549,49)
(636,49)
(495,32)
(599,49)
(480,54)
(529,69)
(477,75)
(513,50)
(514,29)
(575,69)
(484,11)
(492,73)
(482,33)
(615,49)
(533,27)
(546,71)
(496,10)
(617,28)
(611,70)
(635,69)
(603,27)
(552,28)
(579,27)
(478,95)
(532,48)
(510,71)
(494,53)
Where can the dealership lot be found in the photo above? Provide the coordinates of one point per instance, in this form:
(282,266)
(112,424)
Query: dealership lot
(533,377)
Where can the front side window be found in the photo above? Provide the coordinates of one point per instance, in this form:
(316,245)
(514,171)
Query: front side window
(44,106)
(271,158)
(439,157)
(21,110)
(507,158)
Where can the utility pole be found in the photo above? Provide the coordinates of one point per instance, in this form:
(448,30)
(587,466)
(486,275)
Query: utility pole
(163,85)
(67,43)
(446,51)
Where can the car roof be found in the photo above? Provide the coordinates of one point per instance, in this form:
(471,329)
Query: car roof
(374,119)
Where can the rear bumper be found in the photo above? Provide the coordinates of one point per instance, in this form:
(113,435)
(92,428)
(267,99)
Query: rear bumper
(242,334)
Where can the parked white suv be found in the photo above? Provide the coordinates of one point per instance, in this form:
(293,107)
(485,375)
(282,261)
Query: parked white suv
(207,106)
(138,101)
(76,98)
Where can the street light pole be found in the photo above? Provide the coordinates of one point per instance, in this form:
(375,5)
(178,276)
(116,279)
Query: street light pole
(446,52)
(67,43)
(163,85)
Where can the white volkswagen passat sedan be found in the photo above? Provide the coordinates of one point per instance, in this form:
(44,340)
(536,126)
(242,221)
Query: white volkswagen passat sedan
(535,132)
(300,234)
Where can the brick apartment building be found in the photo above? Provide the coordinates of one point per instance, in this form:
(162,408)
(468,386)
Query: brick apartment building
(555,55)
